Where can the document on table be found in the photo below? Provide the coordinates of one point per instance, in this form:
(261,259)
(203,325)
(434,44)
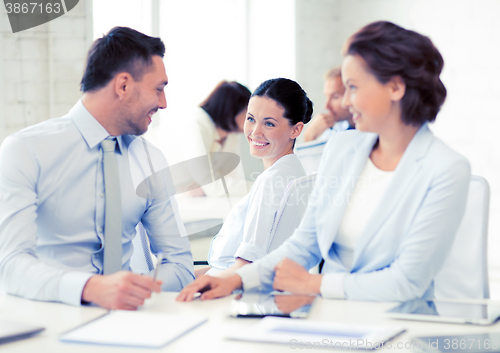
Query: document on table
(307,333)
(134,329)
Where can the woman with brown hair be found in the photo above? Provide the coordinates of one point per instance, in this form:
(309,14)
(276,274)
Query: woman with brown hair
(389,195)
(220,118)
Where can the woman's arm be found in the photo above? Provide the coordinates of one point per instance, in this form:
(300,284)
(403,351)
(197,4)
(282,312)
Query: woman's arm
(210,287)
(292,277)
(201,271)
(230,270)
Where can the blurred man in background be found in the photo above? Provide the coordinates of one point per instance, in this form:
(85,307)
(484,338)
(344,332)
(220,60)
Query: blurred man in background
(337,119)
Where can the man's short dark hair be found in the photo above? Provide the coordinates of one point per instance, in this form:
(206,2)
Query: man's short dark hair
(122,49)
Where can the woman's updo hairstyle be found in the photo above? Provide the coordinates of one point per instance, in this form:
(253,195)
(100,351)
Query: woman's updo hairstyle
(390,50)
(290,96)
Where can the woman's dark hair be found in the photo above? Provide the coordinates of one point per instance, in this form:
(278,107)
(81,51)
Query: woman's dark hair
(122,49)
(289,95)
(390,50)
(226,101)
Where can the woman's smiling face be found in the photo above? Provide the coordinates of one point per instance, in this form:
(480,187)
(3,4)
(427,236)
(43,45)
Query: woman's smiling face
(373,105)
(268,132)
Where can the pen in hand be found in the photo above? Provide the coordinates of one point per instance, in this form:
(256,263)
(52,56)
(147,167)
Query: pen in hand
(158,264)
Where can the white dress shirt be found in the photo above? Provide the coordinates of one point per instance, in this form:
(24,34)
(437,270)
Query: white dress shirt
(246,231)
(52,209)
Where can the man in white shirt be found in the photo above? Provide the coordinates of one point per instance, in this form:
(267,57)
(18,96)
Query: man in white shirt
(53,195)
(337,119)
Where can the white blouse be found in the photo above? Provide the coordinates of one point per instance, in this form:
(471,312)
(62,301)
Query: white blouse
(369,188)
(245,233)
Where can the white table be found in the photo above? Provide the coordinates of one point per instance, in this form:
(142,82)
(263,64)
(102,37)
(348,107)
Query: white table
(209,337)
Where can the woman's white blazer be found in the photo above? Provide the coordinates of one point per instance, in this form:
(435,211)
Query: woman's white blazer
(406,239)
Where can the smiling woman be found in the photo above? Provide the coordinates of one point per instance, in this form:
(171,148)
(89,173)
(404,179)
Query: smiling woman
(277,112)
(270,135)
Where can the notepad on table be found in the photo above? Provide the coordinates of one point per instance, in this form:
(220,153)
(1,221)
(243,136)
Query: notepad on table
(134,329)
(318,333)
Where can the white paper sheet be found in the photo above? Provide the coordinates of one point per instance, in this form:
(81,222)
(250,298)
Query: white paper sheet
(307,333)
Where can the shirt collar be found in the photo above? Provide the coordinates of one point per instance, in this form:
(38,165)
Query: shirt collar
(91,130)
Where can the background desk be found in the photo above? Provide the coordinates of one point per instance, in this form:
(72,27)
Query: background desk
(209,337)
(203,218)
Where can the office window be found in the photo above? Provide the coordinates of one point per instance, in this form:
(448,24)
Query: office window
(130,13)
(208,41)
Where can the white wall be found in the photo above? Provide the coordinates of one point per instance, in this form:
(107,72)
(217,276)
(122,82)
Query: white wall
(40,69)
(317,32)
(271,40)
(129,13)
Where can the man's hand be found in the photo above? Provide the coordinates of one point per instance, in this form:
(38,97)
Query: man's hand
(317,126)
(122,290)
(292,277)
(211,287)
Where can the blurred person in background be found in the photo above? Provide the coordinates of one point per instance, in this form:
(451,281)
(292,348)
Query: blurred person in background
(220,119)
(337,118)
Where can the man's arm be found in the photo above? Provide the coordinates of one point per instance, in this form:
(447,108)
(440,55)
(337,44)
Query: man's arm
(22,273)
(161,218)
(317,126)
(166,234)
